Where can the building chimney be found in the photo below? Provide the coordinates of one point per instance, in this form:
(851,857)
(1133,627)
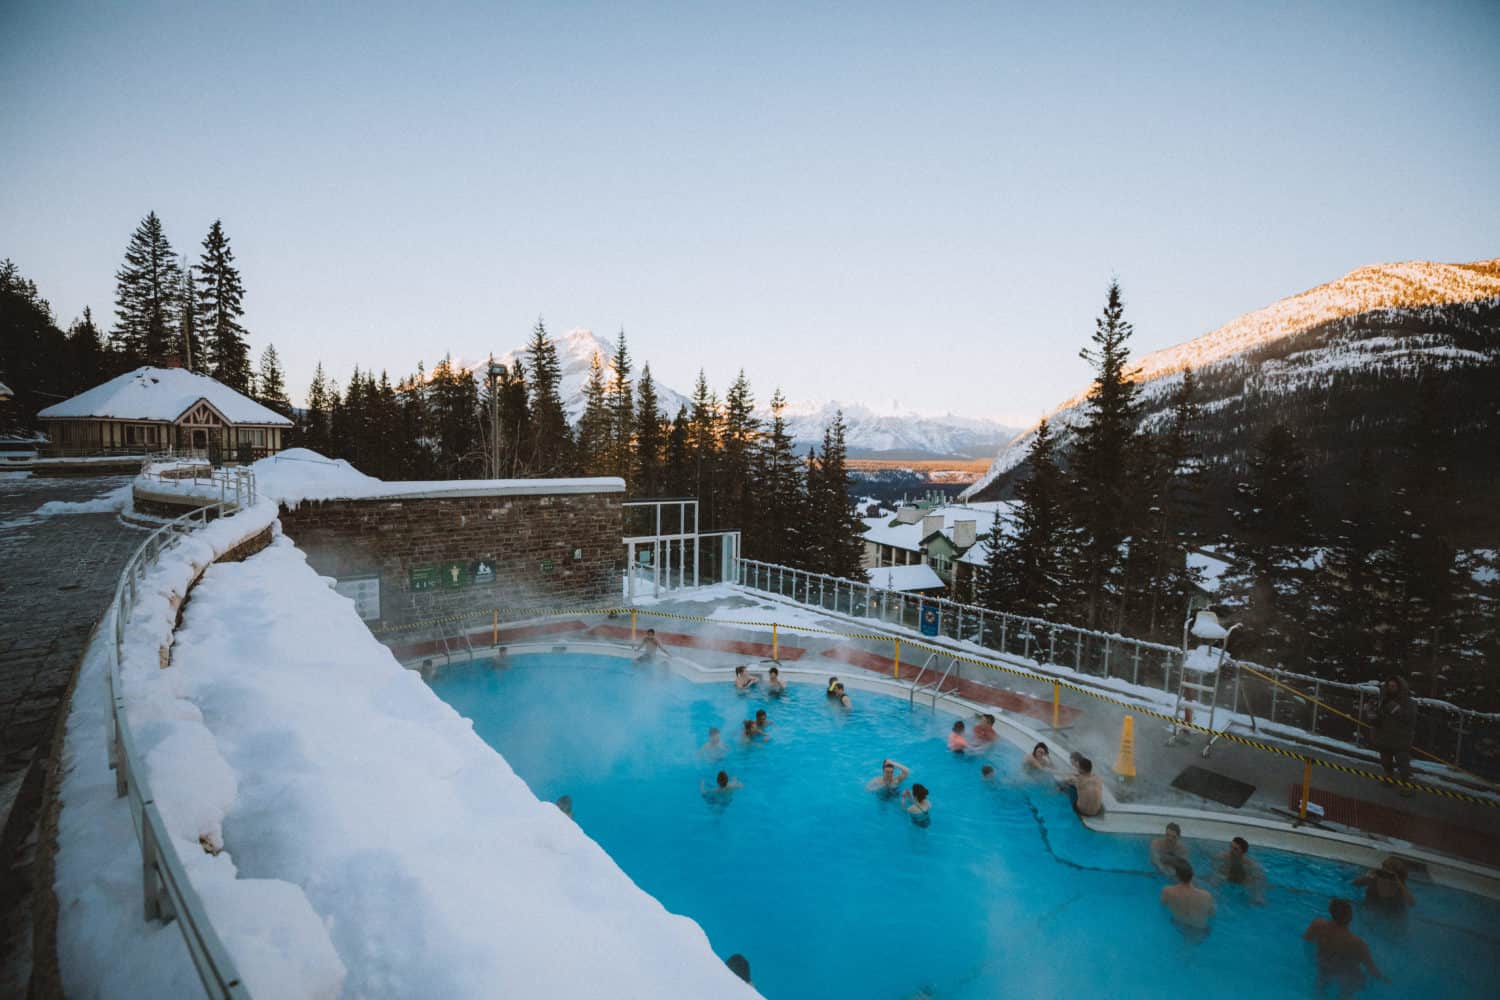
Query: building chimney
(965,534)
(908,515)
(931,523)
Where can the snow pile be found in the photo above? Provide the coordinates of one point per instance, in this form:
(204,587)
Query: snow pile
(434,868)
(105,503)
(162,394)
(276,939)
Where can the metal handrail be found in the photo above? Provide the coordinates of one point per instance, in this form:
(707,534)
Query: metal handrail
(915,680)
(169,893)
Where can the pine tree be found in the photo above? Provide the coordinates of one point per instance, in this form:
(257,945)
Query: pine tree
(677,467)
(454,406)
(552,443)
(1273,539)
(146,290)
(316,430)
(220,306)
(417,460)
(271,382)
(187,322)
(1026,572)
(622,411)
(741,431)
(89,362)
(1104,473)
(837,546)
(777,530)
(646,477)
(703,444)
(595,426)
(515,420)
(33,351)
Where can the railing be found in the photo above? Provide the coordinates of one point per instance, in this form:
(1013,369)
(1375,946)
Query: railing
(235,485)
(1303,704)
(169,893)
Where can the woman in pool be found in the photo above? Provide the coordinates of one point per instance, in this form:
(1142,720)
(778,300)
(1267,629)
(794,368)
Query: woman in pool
(918,805)
(744,680)
(836,692)
(956,741)
(752,732)
(1385,887)
(889,779)
(1040,758)
(773,682)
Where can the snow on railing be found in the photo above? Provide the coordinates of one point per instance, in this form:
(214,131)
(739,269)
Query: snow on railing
(234,485)
(1323,709)
(169,893)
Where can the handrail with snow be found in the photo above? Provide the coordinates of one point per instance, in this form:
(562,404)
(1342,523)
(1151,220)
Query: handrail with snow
(169,892)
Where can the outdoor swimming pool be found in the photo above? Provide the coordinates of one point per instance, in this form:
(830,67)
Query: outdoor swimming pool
(830,891)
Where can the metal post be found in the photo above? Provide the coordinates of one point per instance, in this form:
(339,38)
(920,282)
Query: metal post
(1078,651)
(1359,713)
(1056,703)
(775,646)
(1052,646)
(1106,656)
(150,877)
(896,661)
(495,627)
(1135,663)
(1317,696)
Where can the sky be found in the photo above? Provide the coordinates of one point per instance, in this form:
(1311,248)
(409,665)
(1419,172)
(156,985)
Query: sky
(894,204)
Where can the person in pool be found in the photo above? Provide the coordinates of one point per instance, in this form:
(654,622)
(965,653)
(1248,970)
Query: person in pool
(649,646)
(917,803)
(722,789)
(744,680)
(750,732)
(1168,849)
(1235,865)
(715,746)
(762,720)
(984,729)
(1040,758)
(1342,955)
(889,779)
(1084,789)
(837,693)
(956,741)
(1191,907)
(774,685)
(1385,887)
(987,773)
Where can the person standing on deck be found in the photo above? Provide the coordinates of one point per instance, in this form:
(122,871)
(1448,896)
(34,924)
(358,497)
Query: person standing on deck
(1395,728)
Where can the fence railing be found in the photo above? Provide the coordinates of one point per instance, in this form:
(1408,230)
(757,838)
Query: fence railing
(1321,710)
(233,485)
(169,894)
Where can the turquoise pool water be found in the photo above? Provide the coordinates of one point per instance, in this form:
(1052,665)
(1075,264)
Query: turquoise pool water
(831,892)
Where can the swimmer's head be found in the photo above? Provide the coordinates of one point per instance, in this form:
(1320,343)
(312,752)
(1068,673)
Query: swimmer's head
(760,716)
(988,718)
(887,767)
(1342,911)
(1183,870)
(919,792)
(749,726)
(713,732)
(722,779)
(1040,750)
(987,771)
(740,669)
(1240,844)
(958,726)
(1085,766)
(1394,867)
(1173,830)
(775,672)
(651,631)
(1074,758)
(832,682)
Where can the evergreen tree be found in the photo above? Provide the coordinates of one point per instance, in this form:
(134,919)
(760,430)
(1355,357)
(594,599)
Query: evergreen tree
(646,476)
(740,434)
(33,351)
(220,306)
(777,530)
(703,445)
(454,407)
(551,439)
(622,411)
(1107,494)
(316,430)
(271,382)
(1026,572)
(838,549)
(187,322)
(1273,539)
(417,460)
(146,290)
(89,362)
(677,468)
(515,420)
(595,427)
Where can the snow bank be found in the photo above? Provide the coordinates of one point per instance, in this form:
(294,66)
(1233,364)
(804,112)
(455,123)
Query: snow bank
(434,868)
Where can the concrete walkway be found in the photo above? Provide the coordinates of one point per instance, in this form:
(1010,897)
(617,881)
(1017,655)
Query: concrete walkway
(59,573)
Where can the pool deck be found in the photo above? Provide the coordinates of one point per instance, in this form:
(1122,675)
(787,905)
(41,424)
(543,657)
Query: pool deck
(1356,809)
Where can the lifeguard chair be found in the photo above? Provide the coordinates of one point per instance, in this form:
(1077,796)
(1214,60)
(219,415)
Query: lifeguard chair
(1205,649)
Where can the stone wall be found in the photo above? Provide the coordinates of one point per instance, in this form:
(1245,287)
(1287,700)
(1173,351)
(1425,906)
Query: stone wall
(511,550)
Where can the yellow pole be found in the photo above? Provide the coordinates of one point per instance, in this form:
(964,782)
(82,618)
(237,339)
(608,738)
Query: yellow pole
(1056,696)
(775,647)
(632,624)
(1125,762)
(896,663)
(495,627)
(1306,788)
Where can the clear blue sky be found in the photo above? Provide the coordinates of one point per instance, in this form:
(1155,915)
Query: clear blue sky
(913,202)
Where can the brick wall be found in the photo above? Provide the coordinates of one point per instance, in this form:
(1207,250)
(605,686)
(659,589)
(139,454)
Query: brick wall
(554,550)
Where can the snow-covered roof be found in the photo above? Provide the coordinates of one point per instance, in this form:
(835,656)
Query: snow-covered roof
(916,577)
(909,536)
(162,394)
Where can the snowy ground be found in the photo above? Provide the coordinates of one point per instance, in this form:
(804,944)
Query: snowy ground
(372,845)
(114,499)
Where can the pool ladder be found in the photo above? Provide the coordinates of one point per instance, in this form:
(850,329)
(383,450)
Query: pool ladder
(937,687)
(448,650)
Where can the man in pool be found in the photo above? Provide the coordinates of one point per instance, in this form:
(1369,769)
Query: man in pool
(1167,850)
(1191,907)
(744,680)
(774,685)
(649,647)
(984,729)
(722,790)
(715,745)
(1235,865)
(889,779)
(1342,955)
(751,732)
(762,720)
(1084,789)
(956,741)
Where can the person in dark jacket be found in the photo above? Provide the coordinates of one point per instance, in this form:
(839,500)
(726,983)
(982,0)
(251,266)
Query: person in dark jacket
(1395,728)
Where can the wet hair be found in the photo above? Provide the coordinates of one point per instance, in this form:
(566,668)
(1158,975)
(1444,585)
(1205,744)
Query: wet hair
(1242,844)
(739,965)
(776,671)
(1085,766)
(1075,757)
(988,718)
(1342,911)
(1040,748)
(831,682)
(1174,828)
(987,770)
(722,779)
(749,726)
(740,669)
(887,763)
(651,631)
(1183,871)
(919,792)
(958,726)
(760,713)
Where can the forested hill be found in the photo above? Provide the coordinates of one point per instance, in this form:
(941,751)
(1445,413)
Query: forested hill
(1345,384)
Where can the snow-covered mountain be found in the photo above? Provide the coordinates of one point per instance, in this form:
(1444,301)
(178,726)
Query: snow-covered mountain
(1386,319)
(898,435)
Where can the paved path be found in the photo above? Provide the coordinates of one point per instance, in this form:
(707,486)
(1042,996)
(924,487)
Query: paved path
(57,574)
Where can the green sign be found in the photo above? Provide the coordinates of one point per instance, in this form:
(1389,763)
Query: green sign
(546,565)
(453,575)
(482,572)
(424,577)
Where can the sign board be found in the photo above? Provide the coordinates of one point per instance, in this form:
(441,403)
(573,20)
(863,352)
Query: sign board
(929,619)
(546,565)
(364,591)
(482,571)
(424,577)
(453,575)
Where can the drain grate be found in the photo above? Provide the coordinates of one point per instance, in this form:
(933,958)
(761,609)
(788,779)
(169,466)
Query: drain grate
(1214,786)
